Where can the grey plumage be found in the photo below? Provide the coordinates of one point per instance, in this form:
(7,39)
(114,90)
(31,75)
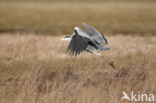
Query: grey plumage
(95,34)
(92,41)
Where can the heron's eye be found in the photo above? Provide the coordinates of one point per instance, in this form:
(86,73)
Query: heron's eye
(66,36)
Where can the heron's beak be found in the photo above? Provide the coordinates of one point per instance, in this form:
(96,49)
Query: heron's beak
(57,38)
(63,39)
(66,39)
(60,38)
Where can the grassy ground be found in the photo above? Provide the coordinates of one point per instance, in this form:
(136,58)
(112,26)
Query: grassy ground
(61,17)
(35,69)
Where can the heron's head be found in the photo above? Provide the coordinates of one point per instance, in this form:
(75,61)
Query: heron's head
(66,37)
(76,28)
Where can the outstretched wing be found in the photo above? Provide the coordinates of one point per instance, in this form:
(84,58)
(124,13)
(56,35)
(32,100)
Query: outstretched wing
(77,44)
(95,35)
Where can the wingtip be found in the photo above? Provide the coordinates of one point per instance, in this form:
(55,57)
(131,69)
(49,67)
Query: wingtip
(105,48)
(84,23)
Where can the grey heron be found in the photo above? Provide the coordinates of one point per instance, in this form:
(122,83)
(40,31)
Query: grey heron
(91,41)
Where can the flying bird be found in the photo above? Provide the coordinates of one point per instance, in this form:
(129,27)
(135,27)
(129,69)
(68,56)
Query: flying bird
(91,41)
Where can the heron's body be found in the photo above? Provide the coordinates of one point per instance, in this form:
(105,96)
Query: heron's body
(91,41)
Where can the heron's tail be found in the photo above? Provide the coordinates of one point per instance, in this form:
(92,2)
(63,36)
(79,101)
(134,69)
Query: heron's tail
(104,48)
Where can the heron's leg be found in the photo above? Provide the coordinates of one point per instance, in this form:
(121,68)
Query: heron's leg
(88,51)
(98,53)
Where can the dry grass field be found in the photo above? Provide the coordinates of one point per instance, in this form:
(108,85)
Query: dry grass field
(35,69)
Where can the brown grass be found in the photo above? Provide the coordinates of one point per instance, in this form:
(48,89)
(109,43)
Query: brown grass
(62,17)
(35,69)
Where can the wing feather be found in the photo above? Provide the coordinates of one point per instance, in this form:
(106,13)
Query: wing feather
(95,35)
(76,45)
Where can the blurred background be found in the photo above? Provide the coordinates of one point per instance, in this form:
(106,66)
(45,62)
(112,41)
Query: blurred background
(57,17)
